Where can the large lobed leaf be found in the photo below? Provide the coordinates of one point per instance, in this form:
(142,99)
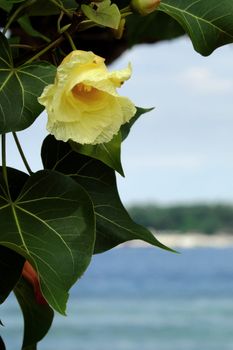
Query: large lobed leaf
(37,317)
(113,224)
(50,223)
(152,28)
(11,265)
(208,23)
(19,89)
(2,345)
(110,153)
(125,128)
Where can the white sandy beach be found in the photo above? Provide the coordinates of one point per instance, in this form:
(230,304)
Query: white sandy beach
(188,240)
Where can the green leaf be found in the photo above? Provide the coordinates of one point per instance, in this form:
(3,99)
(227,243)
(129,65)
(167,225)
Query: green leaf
(113,224)
(51,223)
(103,13)
(208,23)
(25,23)
(6,6)
(2,345)
(14,40)
(19,89)
(152,28)
(46,8)
(11,265)
(16,179)
(109,153)
(37,317)
(125,129)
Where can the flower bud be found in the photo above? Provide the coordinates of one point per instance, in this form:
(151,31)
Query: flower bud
(31,276)
(145,7)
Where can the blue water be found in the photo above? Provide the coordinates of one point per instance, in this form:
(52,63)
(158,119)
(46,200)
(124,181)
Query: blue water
(143,299)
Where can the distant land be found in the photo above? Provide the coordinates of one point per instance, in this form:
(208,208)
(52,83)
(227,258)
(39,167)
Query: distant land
(206,219)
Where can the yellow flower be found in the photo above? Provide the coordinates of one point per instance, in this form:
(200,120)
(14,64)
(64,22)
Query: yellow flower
(83,104)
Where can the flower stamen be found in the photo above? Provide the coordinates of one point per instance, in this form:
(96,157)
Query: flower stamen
(81,88)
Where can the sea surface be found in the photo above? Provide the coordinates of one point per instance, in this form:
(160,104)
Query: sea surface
(143,299)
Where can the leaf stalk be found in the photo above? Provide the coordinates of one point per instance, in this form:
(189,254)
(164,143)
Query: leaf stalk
(4,168)
(72,44)
(22,153)
(69,31)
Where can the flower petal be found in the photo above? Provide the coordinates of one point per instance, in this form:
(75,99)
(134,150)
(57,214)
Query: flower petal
(83,104)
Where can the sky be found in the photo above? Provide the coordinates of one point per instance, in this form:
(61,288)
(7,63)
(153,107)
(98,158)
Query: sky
(182,151)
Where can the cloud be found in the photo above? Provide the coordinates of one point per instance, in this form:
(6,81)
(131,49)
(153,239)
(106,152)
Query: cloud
(204,81)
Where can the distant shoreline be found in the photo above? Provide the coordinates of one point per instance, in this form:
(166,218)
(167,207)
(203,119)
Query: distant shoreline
(187,240)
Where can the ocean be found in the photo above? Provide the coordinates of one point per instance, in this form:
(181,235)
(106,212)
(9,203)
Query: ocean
(143,299)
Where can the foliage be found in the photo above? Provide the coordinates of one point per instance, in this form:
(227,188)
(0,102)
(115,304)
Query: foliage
(54,220)
(208,219)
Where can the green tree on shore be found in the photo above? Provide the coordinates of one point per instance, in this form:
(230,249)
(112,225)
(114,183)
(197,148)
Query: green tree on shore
(204,218)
